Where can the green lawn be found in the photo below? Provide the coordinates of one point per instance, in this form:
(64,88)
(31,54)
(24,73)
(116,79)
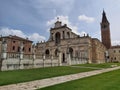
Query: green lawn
(104,65)
(17,76)
(105,81)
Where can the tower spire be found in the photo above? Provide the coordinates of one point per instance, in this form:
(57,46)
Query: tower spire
(104,18)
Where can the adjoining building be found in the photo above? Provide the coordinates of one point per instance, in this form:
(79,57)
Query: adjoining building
(15,53)
(14,43)
(114,54)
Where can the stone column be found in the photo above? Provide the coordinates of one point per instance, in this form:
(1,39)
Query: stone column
(44,60)
(21,56)
(21,51)
(33,55)
(68,59)
(4,50)
(60,57)
(106,56)
(3,62)
(89,59)
(52,60)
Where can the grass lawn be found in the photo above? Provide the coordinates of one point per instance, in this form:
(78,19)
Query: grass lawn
(17,76)
(105,81)
(104,65)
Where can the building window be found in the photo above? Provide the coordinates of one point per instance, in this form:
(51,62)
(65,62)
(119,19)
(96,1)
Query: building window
(68,34)
(52,36)
(111,58)
(18,49)
(13,48)
(56,52)
(47,53)
(57,38)
(13,41)
(114,51)
(63,35)
(29,49)
(23,49)
(71,52)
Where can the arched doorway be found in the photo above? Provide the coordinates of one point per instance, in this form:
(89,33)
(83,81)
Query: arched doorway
(68,34)
(71,52)
(56,52)
(63,58)
(57,38)
(47,53)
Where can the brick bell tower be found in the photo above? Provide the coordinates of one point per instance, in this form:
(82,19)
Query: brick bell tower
(105,31)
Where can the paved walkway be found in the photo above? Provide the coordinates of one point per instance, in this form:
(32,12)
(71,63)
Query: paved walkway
(87,67)
(32,85)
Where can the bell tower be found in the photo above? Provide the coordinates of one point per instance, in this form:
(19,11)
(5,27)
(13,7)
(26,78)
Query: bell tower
(105,31)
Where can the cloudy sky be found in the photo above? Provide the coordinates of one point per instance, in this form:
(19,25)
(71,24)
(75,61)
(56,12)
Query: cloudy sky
(33,18)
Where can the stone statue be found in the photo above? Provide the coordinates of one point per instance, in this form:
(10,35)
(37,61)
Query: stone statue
(4,46)
(21,47)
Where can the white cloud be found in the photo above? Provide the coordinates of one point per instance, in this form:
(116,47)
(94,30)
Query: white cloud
(97,35)
(116,42)
(66,5)
(6,31)
(64,20)
(34,37)
(83,33)
(86,18)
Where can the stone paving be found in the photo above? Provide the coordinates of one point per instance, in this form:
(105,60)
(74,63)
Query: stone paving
(32,85)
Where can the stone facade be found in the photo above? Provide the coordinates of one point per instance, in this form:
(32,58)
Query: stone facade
(79,48)
(98,51)
(0,47)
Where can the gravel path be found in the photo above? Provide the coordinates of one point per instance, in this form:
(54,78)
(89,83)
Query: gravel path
(32,85)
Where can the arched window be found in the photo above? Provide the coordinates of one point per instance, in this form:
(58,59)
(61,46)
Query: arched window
(47,53)
(71,52)
(56,52)
(57,38)
(13,47)
(68,34)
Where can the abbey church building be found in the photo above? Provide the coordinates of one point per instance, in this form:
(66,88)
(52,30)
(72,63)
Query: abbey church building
(71,47)
(64,47)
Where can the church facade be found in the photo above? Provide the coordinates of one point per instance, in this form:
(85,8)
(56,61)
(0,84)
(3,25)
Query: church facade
(71,46)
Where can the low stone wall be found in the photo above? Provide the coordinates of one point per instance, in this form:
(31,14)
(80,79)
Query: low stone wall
(14,64)
(78,61)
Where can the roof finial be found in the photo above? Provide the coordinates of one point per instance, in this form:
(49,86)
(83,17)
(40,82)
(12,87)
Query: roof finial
(103,11)
(57,18)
